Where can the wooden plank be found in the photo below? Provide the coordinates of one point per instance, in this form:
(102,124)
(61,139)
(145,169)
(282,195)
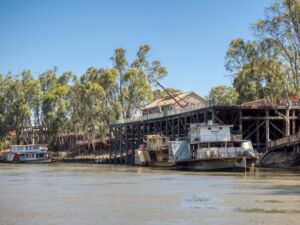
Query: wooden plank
(286,141)
(265,118)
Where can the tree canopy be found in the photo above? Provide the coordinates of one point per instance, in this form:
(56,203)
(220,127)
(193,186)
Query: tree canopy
(269,65)
(223,95)
(86,104)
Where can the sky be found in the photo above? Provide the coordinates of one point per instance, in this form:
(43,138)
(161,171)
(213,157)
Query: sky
(189,37)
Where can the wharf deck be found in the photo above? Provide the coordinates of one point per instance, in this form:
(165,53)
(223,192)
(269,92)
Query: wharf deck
(284,142)
(258,124)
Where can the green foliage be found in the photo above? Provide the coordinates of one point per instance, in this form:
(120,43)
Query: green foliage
(157,94)
(135,80)
(19,95)
(84,105)
(268,67)
(223,95)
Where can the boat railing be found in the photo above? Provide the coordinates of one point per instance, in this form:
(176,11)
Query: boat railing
(222,152)
(210,138)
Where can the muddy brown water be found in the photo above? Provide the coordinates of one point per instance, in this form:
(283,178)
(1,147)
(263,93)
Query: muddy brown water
(103,194)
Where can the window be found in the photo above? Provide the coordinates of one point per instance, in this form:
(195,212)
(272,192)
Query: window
(220,128)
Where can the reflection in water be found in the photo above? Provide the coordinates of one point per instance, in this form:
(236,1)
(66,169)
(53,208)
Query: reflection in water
(103,194)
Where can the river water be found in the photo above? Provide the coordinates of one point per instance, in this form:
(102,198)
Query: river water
(73,194)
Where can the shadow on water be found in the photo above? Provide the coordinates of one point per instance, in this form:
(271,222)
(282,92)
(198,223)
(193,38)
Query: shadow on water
(272,211)
(283,190)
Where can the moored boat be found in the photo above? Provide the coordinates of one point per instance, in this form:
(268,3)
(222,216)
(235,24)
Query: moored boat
(28,154)
(157,151)
(213,147)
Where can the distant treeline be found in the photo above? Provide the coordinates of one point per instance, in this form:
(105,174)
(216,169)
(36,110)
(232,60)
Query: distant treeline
(85,104)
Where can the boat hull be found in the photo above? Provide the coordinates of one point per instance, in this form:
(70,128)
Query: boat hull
(37,161)
(234,164)
(161,164)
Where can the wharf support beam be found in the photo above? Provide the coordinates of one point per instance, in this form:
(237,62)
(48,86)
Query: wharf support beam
(260,125)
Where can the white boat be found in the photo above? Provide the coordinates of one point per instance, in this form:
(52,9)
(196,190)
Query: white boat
(213,147)
(28,154)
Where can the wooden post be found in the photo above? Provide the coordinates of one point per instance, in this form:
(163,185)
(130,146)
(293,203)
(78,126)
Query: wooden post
(287,126)
(294,123)
(213,116)
(241,121)
(257,135)
(110,144)
(185,126)
(126,144)
(172,128)
(167,124)
(120,146)
(267,127)
(178,127)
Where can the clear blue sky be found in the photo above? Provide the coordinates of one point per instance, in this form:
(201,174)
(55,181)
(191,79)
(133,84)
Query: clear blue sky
(189,37)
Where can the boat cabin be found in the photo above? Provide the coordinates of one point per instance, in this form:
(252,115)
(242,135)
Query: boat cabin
(29,152)
(201,133)
(27,148)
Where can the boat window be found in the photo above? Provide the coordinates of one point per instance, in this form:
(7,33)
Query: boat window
(220,128)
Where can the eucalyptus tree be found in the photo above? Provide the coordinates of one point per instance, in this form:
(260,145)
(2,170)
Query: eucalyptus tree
(256,73)
(87,96)
(2,109)
(55,104)
(83,105)
(120,63)
(111,108)
(280,29)
(223,95)
(136,79)
(269,66)
(18,94)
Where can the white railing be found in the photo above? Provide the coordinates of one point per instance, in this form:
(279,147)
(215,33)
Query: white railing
(210,138)
(159,115)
